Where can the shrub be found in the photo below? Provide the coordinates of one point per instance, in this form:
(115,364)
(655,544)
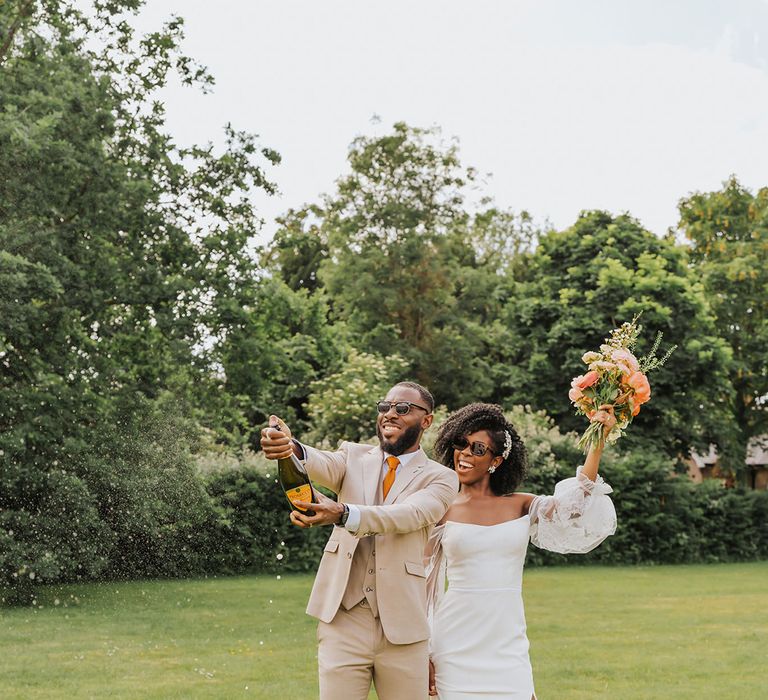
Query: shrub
(253,532)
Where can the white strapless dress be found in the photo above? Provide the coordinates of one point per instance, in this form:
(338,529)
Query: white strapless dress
(479,644)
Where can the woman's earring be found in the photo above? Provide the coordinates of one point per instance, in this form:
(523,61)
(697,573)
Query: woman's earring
(491,470)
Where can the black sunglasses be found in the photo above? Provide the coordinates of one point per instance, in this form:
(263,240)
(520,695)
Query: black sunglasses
(478,449)
(401,407)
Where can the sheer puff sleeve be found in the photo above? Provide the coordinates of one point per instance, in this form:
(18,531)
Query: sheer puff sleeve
(434,567)
(577,518)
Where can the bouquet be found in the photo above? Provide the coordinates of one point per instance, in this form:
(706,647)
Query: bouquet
(616,378)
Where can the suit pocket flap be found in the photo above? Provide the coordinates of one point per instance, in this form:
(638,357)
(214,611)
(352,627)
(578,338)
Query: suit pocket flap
(331,546)
(414,568)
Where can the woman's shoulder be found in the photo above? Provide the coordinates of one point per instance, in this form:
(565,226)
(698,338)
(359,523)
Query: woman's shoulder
(520,501)
(520,496)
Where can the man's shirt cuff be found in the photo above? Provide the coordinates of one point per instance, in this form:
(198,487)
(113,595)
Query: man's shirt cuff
(353,521)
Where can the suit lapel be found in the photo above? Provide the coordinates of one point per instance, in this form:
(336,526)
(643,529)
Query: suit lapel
(372,474)
(406,475)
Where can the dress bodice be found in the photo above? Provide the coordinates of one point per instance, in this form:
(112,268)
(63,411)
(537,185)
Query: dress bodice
(486,556)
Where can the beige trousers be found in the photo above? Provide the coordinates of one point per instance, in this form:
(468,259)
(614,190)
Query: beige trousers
(353,650)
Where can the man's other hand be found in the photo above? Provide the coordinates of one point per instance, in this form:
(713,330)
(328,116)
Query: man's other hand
(327,512)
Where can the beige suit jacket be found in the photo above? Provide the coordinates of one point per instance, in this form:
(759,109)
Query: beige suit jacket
(422,493)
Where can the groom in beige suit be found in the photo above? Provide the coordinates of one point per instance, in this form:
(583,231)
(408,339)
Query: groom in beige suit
(370,590)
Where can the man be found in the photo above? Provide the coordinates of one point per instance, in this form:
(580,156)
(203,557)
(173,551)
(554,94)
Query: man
(370,589)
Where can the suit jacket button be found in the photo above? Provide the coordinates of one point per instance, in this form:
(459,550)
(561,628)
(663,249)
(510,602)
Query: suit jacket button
(349,555)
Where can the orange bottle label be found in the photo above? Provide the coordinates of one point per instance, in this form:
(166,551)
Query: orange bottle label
(300,493)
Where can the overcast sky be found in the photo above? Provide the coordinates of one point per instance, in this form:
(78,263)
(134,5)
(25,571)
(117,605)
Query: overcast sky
(570,104)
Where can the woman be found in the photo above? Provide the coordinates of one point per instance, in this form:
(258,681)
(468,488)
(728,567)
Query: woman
(479,648)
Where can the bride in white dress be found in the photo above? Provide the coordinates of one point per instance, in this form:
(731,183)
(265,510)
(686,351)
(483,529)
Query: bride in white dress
(479,647)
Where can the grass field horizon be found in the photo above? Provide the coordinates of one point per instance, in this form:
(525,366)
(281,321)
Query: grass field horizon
(624,633)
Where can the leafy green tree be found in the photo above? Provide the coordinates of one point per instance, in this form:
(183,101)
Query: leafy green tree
(389,273)
(728,232)
(579,284)
(342,406)
(278,342)
(403,265)
(118,251)
(298,248)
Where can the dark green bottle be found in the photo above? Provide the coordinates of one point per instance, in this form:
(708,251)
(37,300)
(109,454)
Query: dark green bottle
(295,482)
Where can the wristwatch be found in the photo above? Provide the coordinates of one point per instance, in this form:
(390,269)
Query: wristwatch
(344,516)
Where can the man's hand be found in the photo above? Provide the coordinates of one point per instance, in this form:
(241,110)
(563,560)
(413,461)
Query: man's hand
(276,442)
(432,686)
(327,512)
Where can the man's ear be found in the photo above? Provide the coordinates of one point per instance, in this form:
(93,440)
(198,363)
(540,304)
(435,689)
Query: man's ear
(426,421)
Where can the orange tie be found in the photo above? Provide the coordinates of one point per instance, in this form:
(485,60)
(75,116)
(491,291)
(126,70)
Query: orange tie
(389,478)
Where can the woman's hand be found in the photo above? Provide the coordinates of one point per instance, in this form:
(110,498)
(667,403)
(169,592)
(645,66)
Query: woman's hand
(432,686)
(605,416)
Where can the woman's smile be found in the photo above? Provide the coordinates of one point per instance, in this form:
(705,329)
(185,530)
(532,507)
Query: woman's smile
(463,466)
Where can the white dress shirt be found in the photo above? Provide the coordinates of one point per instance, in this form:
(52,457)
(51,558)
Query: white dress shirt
(353,520)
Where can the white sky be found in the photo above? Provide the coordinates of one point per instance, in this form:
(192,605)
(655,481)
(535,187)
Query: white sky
(570,104)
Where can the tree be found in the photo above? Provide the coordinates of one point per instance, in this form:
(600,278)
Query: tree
(388,273)
(278,342)
(298,248)
(390,250)
(728,233)
(579,284)
(342,405)
(118,250)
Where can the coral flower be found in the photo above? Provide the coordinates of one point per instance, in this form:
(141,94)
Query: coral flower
(575,394)
(639,382)
(585,380)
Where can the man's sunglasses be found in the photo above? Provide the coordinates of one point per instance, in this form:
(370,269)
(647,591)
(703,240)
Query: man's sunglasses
(401,407)
(478,449)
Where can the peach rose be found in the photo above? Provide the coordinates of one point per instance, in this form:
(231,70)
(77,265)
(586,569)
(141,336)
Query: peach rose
(623,358)
(585,380)
(575,394)
(639,382)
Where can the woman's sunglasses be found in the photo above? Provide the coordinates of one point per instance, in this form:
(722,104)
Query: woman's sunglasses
(401,407)
(478,449)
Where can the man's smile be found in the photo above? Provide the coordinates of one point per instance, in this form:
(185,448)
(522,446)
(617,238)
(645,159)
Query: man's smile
(389,429)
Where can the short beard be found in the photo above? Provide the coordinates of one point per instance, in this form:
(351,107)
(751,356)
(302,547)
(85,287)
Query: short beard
(408,439)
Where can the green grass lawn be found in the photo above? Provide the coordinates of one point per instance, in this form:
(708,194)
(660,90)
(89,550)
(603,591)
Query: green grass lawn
(620,633)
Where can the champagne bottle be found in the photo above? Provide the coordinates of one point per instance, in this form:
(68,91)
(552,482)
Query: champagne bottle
(295,482)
